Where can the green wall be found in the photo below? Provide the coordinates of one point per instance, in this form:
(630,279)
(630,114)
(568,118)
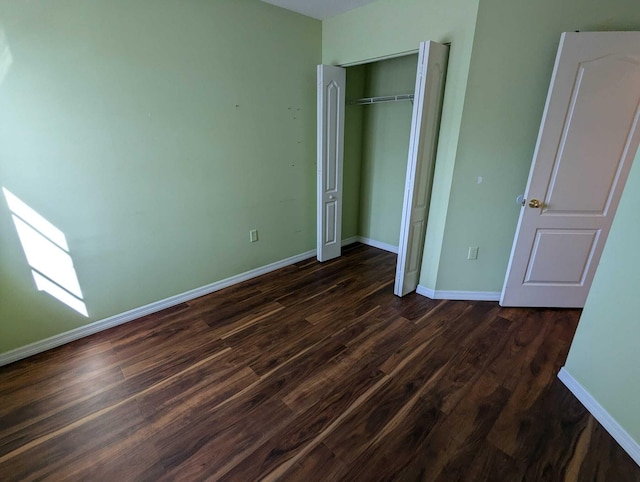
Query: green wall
(353,129)
(375,149)
(155,134)
(391,27)
(604,356)
(498,76)
(385,147)
(513,54)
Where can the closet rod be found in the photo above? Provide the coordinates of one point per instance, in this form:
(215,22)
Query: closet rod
(381,99)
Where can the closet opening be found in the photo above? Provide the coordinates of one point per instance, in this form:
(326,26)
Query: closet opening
(376,148)
(377,135)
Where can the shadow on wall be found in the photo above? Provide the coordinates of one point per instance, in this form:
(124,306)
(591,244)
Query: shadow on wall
(47,252)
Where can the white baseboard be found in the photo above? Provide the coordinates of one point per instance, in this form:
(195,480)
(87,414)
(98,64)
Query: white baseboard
(348,241)
(424,291)
(97,326)
(458,295)
(609,423)
(370,242)
(378,244)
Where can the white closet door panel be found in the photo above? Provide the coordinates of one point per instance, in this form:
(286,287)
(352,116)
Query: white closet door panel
(425,125)
(331,105)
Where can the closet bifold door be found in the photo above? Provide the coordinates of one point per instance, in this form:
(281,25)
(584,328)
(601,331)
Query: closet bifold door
(425,125)
(331,104)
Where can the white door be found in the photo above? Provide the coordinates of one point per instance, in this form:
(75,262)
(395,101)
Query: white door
(587,141)
(331,105)
(427,107)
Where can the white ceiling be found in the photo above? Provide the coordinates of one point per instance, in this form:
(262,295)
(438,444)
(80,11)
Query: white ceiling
(320,9)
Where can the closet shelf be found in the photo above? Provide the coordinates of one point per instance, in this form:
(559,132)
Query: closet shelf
(381,99)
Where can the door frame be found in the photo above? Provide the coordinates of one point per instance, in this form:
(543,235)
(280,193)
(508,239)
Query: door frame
(319,174)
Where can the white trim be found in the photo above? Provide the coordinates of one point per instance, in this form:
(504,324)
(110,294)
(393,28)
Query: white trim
(424,291)
(378,244)
(97,326)
(370,60)
(609,423)
(458,295)
(348,241)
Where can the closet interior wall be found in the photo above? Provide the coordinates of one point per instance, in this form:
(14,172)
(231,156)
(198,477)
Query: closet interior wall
(376,146)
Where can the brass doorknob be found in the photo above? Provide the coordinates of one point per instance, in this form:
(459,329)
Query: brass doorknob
(534,203)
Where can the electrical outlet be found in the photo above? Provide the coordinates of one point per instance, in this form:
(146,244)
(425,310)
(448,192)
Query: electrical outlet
(253,235)
(473,252)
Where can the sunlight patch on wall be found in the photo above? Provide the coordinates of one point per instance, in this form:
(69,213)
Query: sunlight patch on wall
(47,252)
(6,58)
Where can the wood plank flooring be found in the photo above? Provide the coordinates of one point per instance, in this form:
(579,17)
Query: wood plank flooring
(313,372)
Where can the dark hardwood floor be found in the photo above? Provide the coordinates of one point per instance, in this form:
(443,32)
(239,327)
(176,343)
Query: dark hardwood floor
(313,372)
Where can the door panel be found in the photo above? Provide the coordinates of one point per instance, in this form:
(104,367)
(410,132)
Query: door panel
(330,210)
(560,256)
(331,105)
(415,257)
(425,125)
(601,136)
(588,138)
